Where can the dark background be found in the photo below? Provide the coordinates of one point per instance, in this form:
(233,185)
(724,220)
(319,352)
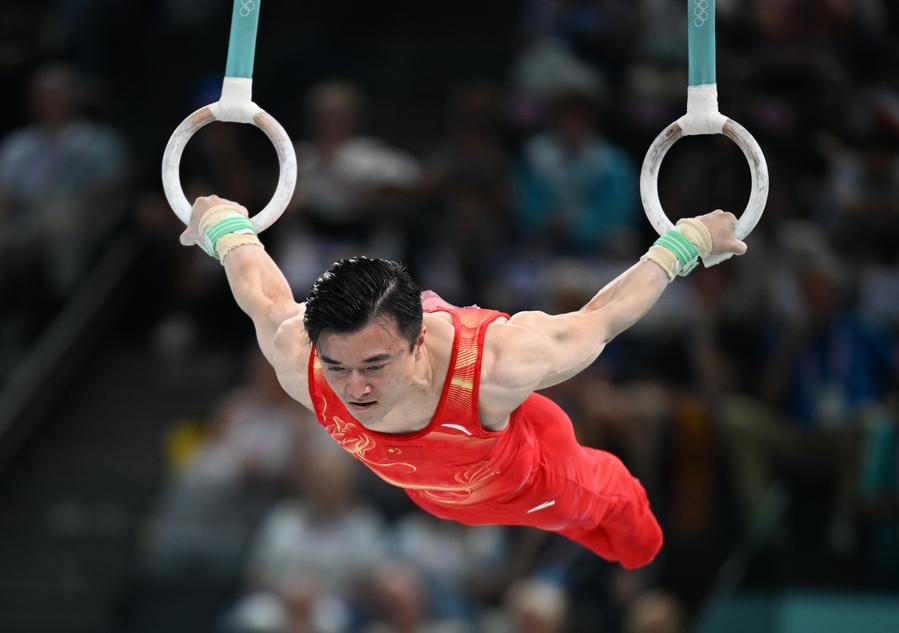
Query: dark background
(152,472)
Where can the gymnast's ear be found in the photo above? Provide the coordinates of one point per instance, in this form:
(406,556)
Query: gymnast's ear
(420,341)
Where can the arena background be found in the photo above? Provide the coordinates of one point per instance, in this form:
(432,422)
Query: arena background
(154,478)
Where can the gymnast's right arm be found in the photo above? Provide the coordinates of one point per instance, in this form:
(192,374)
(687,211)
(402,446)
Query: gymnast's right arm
(260,289)
(258,285)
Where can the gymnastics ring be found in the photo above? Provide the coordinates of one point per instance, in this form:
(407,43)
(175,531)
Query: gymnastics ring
(703,117)
(234,106)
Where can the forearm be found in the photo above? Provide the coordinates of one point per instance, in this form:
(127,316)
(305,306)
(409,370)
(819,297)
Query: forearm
(629,297)
(626,299)
(551,348)
(260,289)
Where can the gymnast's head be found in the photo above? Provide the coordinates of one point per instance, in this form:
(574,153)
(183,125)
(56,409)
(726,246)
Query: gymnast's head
(364,317)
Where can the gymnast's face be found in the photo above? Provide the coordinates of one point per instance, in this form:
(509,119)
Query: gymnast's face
(371,370)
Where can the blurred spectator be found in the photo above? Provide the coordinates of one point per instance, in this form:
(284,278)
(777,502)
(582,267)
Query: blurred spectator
(184,302)
(61,185)
(60,179)
(532,605)
(864,185)
(467,184)
(213,502)
(259,613)
(343,173)
(302,608)
(320,534)
(350,188)
(600,32)
(545,69)
(261,425)
(401,604)
(655,612)
(452,558)
(824,374)
(577,191)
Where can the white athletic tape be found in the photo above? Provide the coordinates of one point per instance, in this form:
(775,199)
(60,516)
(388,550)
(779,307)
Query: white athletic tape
(236,104)
(702,115)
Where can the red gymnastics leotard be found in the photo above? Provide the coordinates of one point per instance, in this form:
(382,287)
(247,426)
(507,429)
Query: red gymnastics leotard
(532,473)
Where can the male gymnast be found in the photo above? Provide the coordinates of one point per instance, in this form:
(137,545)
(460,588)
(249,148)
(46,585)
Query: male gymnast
(440,400)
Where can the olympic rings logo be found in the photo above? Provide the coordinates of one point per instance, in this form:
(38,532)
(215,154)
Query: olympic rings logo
(247,7)
(700,12)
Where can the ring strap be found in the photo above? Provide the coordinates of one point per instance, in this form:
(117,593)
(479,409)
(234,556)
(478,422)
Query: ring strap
(701,38)
(242,44)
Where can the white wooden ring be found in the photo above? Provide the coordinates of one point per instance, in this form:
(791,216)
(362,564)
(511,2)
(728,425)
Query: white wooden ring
(652,163)
(246,113)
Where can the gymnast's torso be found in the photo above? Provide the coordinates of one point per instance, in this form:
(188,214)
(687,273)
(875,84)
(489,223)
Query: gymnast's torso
(453,458)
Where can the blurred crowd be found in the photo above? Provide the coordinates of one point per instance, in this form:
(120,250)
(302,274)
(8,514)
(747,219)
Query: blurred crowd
(500,164)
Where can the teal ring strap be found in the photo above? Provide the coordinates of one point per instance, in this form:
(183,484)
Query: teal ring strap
(242,45)
(701,37)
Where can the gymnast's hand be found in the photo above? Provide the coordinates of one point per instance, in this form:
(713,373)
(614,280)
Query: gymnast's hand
(203,204)
(721,225)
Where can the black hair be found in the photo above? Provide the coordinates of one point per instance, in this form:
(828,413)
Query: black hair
(354,292)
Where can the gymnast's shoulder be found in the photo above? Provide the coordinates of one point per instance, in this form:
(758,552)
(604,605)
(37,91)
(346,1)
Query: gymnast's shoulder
(514,355)
(290,337)
(290,356)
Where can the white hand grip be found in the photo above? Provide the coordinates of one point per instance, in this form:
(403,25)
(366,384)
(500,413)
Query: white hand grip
(245,112)
(652,163)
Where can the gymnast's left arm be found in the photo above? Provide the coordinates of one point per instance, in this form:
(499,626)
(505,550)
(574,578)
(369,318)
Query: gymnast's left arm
(535,350)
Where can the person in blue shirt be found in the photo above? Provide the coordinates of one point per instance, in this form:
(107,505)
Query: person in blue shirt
(577,192)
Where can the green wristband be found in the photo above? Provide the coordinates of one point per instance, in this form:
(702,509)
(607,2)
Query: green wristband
(234,224)
(683,249)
